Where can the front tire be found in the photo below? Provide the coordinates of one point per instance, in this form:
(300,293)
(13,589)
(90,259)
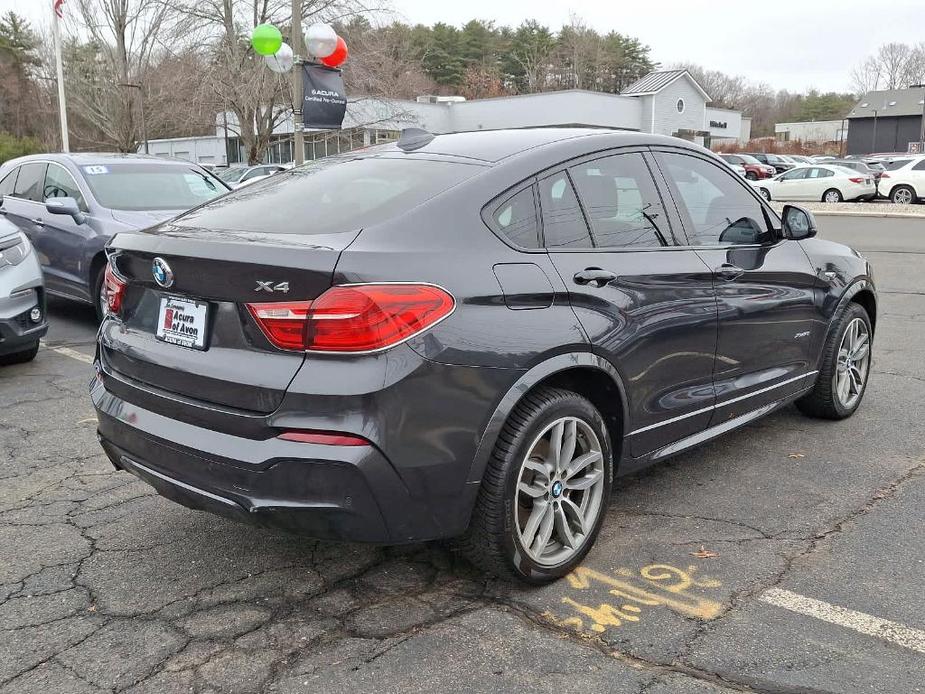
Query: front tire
(545,490)
(99,303)
(843,377)
(751,175)
(832,195)
(765,193)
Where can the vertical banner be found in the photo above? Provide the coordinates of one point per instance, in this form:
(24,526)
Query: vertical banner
(324,100)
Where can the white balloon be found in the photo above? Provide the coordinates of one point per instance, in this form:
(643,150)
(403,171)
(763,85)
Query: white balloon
(282,60)
(320,40)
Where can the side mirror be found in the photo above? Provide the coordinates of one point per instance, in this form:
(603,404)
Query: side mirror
(66,206)
(799,223)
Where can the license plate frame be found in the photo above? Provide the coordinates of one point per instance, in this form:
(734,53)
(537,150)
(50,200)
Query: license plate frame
(189,322)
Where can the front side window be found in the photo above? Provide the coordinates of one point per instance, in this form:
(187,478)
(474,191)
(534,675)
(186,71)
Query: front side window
(150,186)
(60,184)
(515,219)
(30,181)
(621,202)
(795,175)
(7,183)
(719,209)
(563,224)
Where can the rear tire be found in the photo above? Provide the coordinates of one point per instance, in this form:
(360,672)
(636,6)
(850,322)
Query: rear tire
(902,195)
(21,357)
(827,400)
(532,519)
(832,195)
(99,301)
(765,193)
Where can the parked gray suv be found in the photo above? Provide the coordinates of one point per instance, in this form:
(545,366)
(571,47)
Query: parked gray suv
(22,297)
(70,205)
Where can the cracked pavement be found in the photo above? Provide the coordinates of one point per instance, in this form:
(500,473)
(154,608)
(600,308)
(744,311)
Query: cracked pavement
(106,587)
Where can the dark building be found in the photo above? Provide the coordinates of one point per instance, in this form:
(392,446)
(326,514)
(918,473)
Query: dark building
(886,121)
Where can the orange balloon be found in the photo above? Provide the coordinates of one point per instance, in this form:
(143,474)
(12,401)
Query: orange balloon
(338,56)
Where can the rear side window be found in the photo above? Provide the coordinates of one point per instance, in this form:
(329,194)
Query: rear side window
(7,183)
(719,209)
(920,166)
(331,195)
(563,223)
(30,181)
(621,201)
(515,219)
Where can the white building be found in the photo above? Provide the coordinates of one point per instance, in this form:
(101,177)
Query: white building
(812,131)
(667,102)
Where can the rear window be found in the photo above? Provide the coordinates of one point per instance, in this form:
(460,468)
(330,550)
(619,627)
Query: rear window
(331,195)
(150,186)
(896,164)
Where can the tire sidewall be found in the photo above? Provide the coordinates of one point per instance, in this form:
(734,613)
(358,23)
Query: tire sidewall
(853,311)
(841,197)
(566,406)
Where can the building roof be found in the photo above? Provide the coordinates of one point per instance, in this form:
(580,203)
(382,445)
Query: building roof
(890,102)
(655,82)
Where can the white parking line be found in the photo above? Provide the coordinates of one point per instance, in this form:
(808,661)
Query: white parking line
(73,354)
(901,635)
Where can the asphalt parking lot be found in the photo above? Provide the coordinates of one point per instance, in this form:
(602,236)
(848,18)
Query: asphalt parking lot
(786,557)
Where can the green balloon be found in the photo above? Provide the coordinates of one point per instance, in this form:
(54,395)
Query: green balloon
(266,39)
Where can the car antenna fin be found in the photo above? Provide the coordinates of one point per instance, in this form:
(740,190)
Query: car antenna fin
(414,138)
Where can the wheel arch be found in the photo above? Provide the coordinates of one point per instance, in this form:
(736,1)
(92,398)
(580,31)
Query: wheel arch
(585,373)
(861,292)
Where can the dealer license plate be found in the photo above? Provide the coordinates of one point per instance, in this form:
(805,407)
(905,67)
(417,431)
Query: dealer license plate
(183,322)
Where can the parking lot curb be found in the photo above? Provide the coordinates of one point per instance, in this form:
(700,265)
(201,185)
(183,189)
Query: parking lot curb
(882,215)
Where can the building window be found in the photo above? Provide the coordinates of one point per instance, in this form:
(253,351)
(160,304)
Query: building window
(680,105)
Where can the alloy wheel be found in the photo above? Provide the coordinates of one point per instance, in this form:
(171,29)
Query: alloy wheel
(853,363)
(559,492)
(766,194)
(832,196)
(902,196)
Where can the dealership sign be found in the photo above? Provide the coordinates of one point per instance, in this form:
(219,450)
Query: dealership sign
(324,102)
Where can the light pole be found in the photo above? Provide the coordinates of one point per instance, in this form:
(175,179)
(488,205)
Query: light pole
(141,97)
(873,139)
(298,134)
(922,130)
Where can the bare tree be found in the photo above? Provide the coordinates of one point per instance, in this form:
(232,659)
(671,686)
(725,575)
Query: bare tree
(110,46)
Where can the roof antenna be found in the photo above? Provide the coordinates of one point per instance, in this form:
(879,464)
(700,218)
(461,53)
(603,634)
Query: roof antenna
(414,138)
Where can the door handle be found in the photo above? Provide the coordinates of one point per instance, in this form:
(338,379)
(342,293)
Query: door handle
(729,272)
(594,276)
(38,221)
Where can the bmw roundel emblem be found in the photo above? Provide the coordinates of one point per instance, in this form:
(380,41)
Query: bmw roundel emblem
(163,275)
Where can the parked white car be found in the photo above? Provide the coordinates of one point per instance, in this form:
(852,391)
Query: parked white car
(820,182)
(903,180)
(244,176)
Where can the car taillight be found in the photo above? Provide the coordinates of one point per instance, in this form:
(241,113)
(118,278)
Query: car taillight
(114,288)
(325,438)
(856,180)
(353,318)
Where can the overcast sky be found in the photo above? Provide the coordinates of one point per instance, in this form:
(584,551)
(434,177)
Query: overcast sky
(790,44)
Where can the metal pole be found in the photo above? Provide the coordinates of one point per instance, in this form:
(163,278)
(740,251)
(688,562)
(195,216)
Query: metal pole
(873,141)
(144,128)
(298,135)
(59,66)
(922,131)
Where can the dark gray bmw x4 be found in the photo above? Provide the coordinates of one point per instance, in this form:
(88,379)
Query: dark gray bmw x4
(468,336)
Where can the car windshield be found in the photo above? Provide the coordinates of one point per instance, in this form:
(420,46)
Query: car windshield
(331,195)
(772,158)
(150,186)
(232,175)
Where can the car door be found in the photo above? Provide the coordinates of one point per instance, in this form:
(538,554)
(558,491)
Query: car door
(63,241)
(646,305)
(817,181)
(24,207)
(769,328)
(790,185)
